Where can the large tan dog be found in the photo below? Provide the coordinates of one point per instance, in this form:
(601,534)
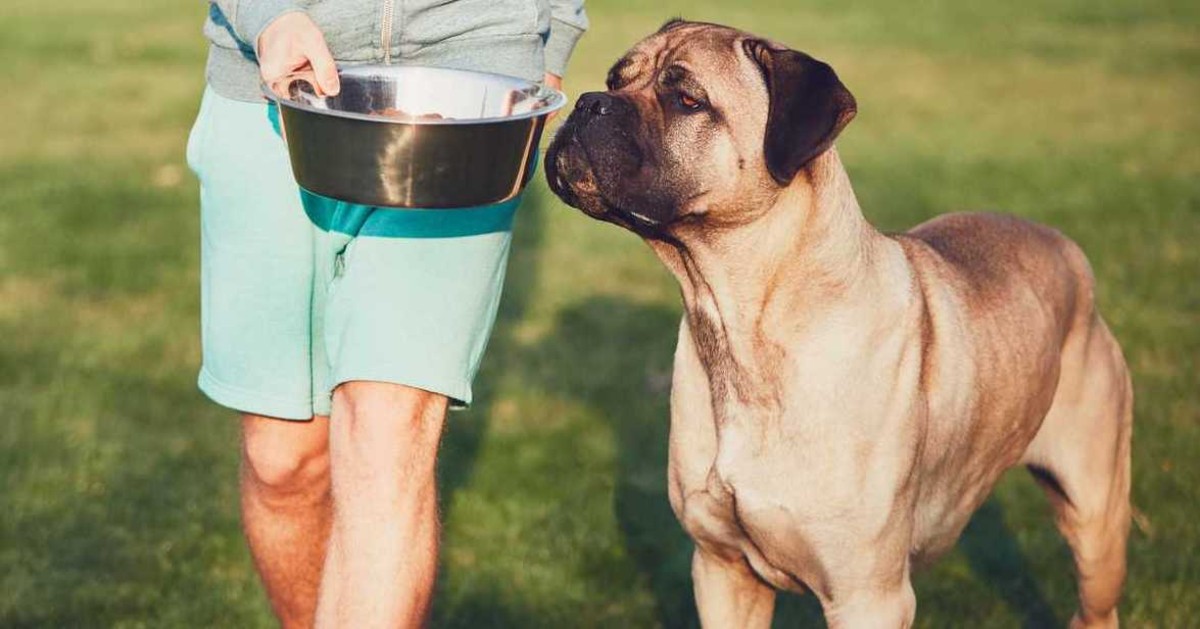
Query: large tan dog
(843,400)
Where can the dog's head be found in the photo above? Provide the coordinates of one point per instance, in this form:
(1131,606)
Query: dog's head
(700,122)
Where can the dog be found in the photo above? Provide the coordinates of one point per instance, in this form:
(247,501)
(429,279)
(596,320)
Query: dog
(843,400)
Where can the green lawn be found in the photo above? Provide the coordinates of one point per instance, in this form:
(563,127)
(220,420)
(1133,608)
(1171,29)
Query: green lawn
(117,479)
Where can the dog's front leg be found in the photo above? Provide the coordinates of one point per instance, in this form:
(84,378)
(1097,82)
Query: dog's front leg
(729,594)
(889,608)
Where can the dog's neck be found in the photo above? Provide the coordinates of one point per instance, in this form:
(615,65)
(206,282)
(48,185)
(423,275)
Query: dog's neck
(752,289)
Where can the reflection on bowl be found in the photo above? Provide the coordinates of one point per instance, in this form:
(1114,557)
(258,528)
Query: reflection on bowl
(409,136)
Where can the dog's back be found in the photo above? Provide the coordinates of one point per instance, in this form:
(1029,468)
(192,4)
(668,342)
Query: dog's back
(1000,258)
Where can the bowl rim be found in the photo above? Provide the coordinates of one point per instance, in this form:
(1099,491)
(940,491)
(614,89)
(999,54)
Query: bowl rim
(555,100)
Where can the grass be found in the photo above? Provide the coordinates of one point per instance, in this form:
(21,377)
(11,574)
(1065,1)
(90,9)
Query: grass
(117,479)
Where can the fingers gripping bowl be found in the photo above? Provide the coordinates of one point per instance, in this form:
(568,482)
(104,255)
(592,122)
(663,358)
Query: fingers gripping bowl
(409,136)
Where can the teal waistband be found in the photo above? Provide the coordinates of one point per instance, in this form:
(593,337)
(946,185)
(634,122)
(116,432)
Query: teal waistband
(363,220)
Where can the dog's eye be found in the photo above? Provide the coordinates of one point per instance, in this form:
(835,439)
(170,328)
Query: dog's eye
(689,103)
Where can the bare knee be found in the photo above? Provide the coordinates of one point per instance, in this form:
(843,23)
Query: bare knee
(284,461)
(378,423)
(383,401)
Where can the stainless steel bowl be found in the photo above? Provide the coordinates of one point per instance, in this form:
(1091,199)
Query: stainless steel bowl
(479,152)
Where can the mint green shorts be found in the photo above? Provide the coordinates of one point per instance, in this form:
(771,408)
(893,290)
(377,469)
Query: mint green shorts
(300,293)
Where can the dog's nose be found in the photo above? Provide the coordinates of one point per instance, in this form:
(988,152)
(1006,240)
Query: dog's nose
(597,103)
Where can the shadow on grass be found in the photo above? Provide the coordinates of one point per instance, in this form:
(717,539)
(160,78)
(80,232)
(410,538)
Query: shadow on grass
(996,559)
(467,430)
(620,355)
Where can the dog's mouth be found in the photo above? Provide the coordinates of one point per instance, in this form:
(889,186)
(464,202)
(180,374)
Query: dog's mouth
(571,176)
(573,179)
(567,171)
(636,221)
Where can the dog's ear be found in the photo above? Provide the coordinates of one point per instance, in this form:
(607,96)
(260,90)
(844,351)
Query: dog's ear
(809,106)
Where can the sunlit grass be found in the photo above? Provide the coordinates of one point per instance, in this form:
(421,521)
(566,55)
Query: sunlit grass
(117,479)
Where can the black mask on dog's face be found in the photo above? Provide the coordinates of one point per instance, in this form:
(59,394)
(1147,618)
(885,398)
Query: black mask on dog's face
(699,123)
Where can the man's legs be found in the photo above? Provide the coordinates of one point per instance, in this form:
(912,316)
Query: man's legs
(380,452)
(286,509)
(383,546)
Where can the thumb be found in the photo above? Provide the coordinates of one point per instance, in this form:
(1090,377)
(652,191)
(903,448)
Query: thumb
(324,68)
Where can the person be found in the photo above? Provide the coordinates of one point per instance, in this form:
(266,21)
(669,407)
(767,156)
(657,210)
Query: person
(342,333)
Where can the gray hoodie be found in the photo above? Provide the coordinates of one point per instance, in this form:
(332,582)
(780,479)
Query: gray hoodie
(517,37)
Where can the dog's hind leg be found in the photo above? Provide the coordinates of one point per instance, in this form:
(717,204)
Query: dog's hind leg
(729,594)
(1081,458)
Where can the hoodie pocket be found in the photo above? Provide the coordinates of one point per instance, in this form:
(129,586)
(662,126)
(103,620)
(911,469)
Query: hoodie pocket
(198,137)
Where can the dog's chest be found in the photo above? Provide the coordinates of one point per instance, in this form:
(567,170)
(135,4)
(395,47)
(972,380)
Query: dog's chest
(783,470)
(748,503)
(798,499)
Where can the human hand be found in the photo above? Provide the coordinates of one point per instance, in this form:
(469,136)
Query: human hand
(291,47)
(554,81)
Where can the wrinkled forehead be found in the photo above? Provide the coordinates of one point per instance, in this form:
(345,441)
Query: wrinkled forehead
(711,48)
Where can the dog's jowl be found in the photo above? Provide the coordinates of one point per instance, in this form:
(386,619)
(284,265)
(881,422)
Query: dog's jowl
(843,400)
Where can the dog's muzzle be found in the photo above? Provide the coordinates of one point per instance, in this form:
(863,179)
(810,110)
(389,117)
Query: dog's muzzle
(594,148)
(598,104)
